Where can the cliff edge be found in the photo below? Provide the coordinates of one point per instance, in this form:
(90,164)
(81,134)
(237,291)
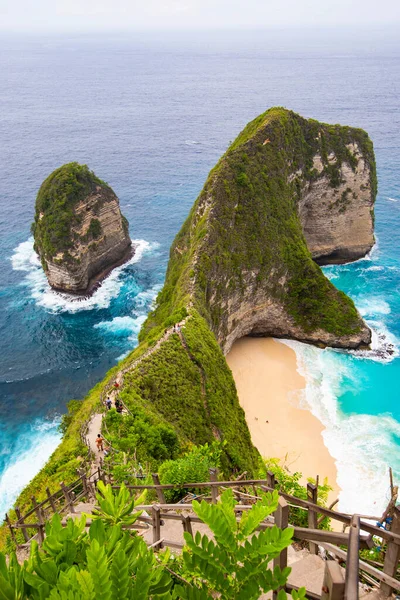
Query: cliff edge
(287,193)
(79,231)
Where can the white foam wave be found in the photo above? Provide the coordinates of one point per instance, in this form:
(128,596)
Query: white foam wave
(129,326)
(31,454)
(374,268)
(26,259)
(147,298)
(122,326)
(370,306)
(360,444)
(384,345)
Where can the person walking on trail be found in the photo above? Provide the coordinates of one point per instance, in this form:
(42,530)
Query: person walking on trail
(99,443)
(108,402)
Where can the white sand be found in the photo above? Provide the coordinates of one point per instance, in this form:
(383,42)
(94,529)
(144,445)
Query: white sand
(270,389)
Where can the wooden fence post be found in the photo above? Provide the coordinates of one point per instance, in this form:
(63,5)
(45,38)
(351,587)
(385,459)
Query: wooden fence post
(312,496)
(333,585)
(21,520)
(353,560)
(82,475)
(51,500)
(159,492)
(156,527)
(271,481)
(67,497)
(392,554)
(11,530)
(281,521)
(101,471)
(187,524)
(41,520)
(214,488)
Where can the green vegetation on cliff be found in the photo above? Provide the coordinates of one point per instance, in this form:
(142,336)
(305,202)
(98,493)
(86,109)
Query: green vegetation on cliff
(244,227)
(54,211)
(246,221)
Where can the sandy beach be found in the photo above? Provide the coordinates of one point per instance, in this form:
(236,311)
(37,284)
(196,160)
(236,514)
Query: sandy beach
(270,389)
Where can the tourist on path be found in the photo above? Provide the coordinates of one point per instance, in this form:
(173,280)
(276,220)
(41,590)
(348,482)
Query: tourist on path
(99,443)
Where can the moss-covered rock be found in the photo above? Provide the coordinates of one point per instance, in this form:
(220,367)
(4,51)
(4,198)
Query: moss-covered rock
(79,231)
(240,265)
(243,256)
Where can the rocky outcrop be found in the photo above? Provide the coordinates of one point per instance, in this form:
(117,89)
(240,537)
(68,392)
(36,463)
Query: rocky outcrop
(338,221)
(287,193)
(79,231)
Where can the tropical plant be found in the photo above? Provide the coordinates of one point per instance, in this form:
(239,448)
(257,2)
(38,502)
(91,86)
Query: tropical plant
(235,564)
(115,509)
(107,563)
(193,467)
(289,483)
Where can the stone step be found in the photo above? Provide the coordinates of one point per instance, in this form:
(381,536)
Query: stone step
(309,573)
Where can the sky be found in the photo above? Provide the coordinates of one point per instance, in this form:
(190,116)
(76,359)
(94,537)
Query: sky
(169,15)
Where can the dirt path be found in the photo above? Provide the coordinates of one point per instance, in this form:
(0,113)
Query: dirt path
(94,428)
(115,386)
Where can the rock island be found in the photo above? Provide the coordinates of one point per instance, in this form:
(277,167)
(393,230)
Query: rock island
(79,231)
(287,193)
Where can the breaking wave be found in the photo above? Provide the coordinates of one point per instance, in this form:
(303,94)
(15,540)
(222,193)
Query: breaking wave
(359,443)
(31,451)
(25,259)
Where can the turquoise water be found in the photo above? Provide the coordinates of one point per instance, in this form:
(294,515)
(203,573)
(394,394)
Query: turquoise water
(152,116)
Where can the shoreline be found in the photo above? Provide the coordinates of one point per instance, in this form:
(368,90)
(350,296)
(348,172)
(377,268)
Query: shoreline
(270,391)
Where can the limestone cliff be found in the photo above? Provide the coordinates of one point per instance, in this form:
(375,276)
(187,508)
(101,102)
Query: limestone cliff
(79,231)
(337,219)
(287,191)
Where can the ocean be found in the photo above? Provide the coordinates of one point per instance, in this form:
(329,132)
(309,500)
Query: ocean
(151,115)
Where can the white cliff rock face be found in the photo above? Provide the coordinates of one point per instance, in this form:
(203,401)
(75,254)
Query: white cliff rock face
(338,221)
(93,256)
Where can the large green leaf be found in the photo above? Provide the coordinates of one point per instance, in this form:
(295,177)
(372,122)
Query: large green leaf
(98,569)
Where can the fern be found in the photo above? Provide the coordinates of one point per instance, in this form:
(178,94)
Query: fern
(97,565)
(236,565)
(115,508)
(108,563)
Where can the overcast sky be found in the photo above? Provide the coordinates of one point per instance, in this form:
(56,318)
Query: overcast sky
(78,15)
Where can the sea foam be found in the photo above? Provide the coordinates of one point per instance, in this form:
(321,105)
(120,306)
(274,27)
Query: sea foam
(26,259)
(31,452)
(360,444)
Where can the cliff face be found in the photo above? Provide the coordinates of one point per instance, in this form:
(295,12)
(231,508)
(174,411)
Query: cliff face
(79,231)
(287,191)
(337,220)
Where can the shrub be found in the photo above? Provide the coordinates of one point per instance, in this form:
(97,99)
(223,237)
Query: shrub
(107,563)
(289,483)
(194,467)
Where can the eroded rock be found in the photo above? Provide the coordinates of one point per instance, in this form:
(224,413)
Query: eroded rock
(79,231)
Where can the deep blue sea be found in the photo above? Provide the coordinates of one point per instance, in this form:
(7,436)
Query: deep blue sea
(151,116)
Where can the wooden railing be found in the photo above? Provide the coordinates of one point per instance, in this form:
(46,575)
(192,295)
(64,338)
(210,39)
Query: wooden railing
(62,501)
(335,586)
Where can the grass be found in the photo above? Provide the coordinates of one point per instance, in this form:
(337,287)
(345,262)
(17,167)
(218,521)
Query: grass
(54,212)
(244,220)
